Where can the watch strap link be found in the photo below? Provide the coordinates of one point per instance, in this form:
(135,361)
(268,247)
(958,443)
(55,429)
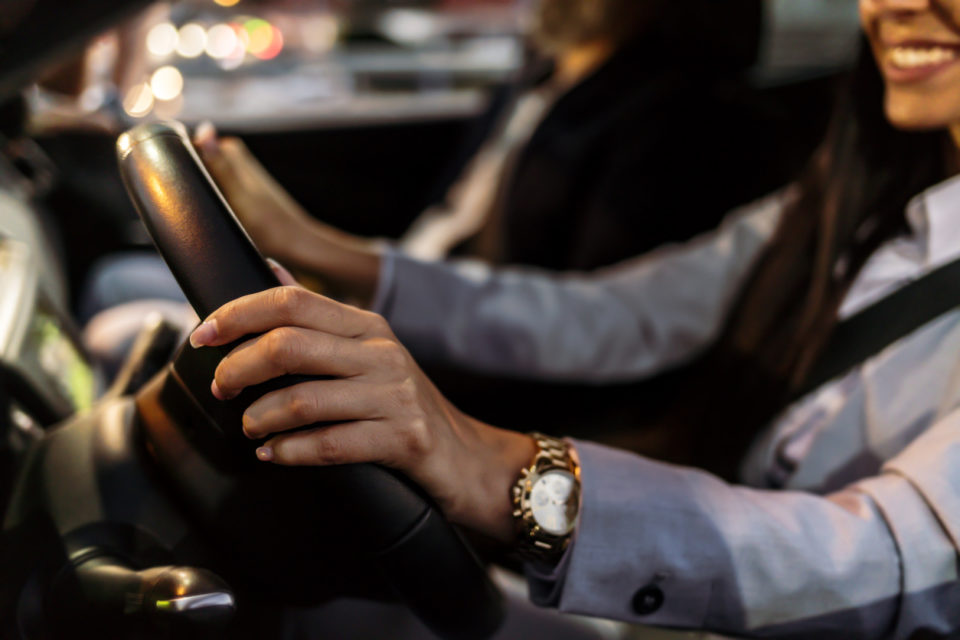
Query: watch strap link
(534,543)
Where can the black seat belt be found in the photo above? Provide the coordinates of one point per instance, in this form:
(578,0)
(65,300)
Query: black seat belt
(896,316)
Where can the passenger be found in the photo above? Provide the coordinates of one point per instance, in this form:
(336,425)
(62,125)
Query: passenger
(583,167)
(861,540)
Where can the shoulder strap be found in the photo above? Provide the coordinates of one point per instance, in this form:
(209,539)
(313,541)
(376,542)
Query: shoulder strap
(878,326)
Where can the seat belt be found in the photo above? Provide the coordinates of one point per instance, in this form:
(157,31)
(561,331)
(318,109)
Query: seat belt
(896,316)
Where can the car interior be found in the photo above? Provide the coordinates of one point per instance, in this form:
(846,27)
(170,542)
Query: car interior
(131,508)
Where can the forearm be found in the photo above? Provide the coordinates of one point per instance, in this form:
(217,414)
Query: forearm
(346,265)
(755,563)
(620,324)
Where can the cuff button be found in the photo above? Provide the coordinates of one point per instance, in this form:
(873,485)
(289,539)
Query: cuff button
(647,600)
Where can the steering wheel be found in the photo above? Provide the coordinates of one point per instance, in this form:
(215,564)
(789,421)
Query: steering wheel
(307,519)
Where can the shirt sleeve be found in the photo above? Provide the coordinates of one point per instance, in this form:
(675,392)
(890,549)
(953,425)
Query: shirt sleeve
(668,546)
(617,324)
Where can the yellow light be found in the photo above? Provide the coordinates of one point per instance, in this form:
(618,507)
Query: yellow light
(260,33)
(162,39)
(275,46)
(139,100)
(227,3)
(166,83)
(192,40)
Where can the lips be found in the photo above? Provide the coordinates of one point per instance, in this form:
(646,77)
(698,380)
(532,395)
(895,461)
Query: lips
(917,57)
(918,61)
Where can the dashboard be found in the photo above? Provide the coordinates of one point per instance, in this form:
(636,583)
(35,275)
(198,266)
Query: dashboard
(44,374)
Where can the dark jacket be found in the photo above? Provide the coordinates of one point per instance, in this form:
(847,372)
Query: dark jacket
(638,154)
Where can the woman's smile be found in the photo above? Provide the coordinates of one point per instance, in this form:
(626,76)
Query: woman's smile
(913,61)
(917,47)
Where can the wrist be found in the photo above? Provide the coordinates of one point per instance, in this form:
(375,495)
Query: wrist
(350,266)
(497,460)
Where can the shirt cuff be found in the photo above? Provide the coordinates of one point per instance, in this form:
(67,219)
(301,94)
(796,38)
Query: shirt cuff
(545,583)
(386,281)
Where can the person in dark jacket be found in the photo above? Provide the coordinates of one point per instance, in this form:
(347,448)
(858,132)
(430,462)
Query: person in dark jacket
(587,161)
(624,115)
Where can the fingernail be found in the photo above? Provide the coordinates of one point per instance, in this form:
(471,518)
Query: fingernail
(205,334)
(218,392)
(283,275)
(248,424)
(205,136)
(265,454)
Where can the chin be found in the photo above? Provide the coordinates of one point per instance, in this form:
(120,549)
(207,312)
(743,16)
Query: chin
(914,115)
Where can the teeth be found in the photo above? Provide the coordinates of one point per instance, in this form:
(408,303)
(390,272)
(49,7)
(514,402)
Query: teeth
(912,57)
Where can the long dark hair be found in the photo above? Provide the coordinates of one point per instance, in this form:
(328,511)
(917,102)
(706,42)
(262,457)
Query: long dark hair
(849,200)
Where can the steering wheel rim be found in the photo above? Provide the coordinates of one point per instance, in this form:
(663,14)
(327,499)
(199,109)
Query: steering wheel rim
(213,259)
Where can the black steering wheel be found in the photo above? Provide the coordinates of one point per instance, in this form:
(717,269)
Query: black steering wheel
(311,525)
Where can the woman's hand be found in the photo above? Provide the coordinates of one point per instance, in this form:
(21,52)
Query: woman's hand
(281,228)
(384,407)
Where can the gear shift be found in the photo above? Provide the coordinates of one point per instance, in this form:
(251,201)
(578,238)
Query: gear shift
(183,597)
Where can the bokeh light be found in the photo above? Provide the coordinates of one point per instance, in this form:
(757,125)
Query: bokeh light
(260,34)
(162,39)
(319,33)
(408,26)
(222,41)
(139,100)
(192,40)
(166,83)
(227,3)
(265,40)
(275,46)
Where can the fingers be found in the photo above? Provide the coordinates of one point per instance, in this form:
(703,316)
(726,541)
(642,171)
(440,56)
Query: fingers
(286,306)
(221,157)
(310,402)
(289,350)
(364,441)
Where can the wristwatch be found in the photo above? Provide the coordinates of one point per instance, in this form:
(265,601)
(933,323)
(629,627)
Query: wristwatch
(546,500)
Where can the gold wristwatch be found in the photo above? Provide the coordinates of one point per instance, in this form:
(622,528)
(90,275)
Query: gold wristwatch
(546,500)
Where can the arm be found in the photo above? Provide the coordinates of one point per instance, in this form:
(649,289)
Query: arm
(874,560)
(621,323)
(617,324)
(656,544)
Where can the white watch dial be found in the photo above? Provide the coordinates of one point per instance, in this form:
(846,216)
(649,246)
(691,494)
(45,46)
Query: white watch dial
(554,502)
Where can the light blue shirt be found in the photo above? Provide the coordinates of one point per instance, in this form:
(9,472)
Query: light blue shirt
(862,544)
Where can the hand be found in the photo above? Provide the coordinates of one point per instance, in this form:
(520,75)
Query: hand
(384,408)
(281,228)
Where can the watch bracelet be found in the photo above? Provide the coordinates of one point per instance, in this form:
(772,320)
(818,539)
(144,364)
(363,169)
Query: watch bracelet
(552,453)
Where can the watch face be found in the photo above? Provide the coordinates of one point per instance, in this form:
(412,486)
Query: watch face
(554,502)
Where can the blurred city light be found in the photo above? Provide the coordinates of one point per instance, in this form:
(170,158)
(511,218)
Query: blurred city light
(192,40)
(265,40)
(139,100)
(166,83)
(222,41)
(227,3)
(408,26)
(162,39)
